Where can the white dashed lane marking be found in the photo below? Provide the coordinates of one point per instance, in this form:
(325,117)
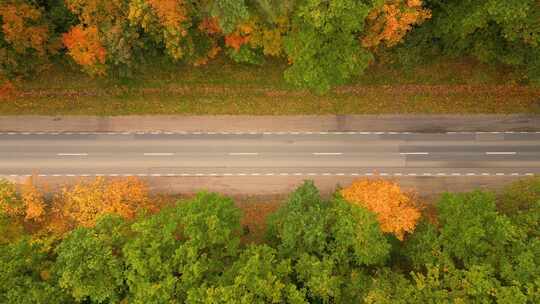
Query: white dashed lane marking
(327,153)
(158,154)
(414,153)
(501,153)
(243,153)
(72,154)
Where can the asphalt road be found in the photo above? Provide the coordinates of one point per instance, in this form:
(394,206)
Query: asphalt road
(270,154)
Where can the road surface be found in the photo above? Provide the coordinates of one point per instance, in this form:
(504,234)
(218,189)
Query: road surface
(270,154)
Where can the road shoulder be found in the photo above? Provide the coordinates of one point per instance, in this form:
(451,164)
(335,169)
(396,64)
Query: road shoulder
(370,123)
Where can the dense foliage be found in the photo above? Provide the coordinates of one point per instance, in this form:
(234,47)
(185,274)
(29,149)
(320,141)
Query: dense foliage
(326,43)
(492,31)
(479,247)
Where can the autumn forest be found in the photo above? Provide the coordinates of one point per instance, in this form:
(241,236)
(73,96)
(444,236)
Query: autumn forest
(110,241)
(112,38)
(71,71)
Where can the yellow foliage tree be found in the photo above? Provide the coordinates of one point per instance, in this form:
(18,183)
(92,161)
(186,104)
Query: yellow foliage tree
(259,34)
(397,212)
(391,21)
(270,37)
(126,197)
(33,201)
(83,203)
(165,20)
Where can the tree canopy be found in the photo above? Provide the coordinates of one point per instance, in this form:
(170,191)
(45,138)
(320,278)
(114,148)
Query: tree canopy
(318,249)
(326,43)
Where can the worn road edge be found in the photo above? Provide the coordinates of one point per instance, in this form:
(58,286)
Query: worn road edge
(398,123)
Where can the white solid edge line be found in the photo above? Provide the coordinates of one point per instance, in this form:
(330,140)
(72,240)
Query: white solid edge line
(251,132)
(501,153)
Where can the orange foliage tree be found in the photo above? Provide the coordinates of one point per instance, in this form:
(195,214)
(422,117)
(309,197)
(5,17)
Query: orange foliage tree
(83,203)
(25,42)
(240,36)
(22,27)
(397,212)
(85,48)
(7,88)
(104,38)
(391,21)
(210,27)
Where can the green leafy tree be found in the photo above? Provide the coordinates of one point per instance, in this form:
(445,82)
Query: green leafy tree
(258,276)
(471,232)
(479,284)
(493,31)
(328,242)
(10,202)
(181,249)
(11,210)
(471,228)
(519,196)
(25,275)
(475,245)
(89,264)
(521,202)
(323,46)
(229,13)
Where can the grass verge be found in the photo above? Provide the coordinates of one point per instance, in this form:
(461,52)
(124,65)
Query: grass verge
(223,87)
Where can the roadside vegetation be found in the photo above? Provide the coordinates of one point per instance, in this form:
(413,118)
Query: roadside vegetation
(120,57)
(109,241)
